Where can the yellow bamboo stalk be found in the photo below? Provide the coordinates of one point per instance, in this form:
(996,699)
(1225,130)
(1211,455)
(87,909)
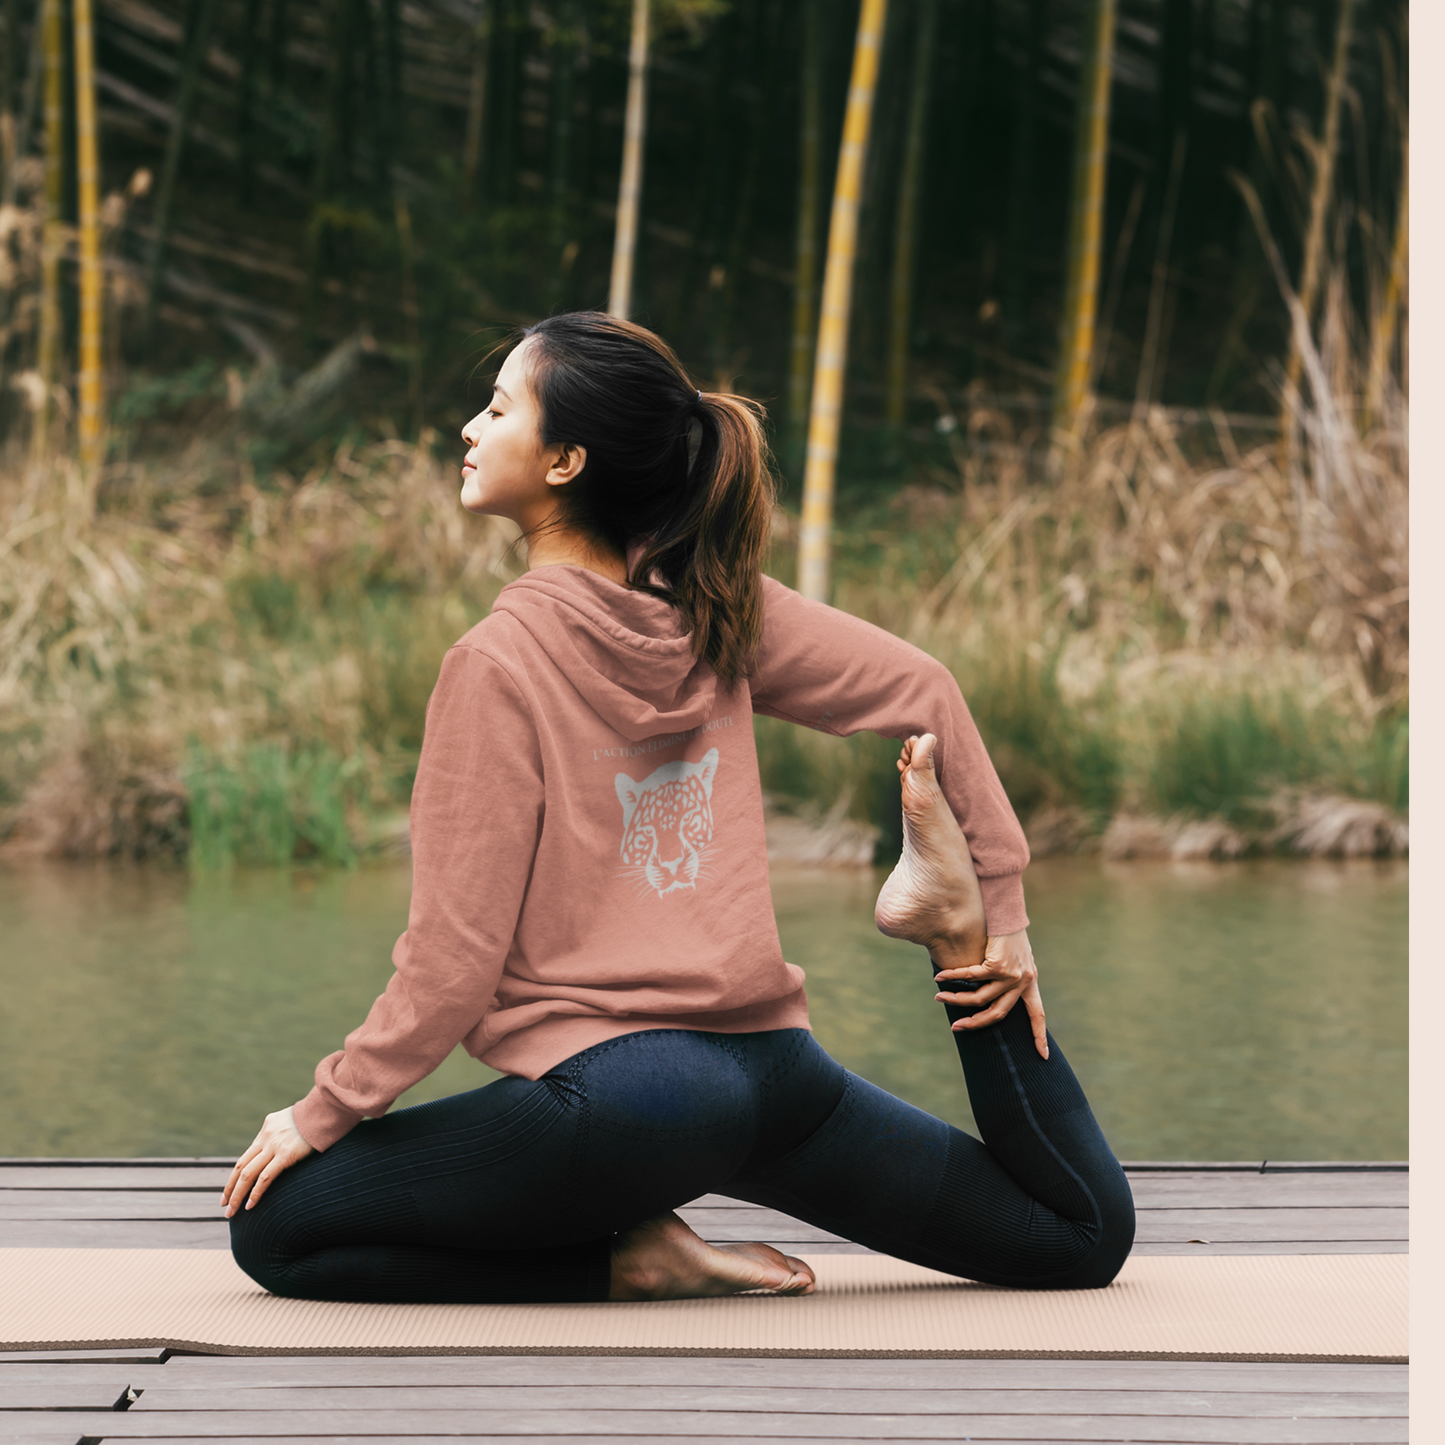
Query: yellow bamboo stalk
(1387,322)
(1325,152)
(826,415)
(92,281)
(1086,222)
(905,235)
(52,238)
(629,188)
(805,251)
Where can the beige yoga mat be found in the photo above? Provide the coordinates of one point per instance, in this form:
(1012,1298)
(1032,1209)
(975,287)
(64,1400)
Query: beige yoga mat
(1340,1308)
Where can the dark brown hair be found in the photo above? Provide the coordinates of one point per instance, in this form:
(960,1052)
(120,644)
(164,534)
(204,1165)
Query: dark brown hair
(685,472)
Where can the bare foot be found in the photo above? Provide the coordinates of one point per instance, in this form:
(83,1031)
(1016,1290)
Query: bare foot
(932,897)
(663,1259)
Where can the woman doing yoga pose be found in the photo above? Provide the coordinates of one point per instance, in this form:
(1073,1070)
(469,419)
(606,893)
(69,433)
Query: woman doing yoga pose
(590,915)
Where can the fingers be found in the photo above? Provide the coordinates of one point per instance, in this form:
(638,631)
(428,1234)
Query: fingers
(246,1175)
(1000,1009)
(1035,1005)
(238,1166)
(274,1165)
(978,997)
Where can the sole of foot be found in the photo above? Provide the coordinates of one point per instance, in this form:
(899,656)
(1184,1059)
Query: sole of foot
(932,896)
(664,1259)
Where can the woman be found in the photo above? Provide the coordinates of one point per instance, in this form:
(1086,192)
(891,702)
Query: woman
(591,916)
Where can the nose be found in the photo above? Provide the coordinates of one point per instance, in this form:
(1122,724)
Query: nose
(470,433)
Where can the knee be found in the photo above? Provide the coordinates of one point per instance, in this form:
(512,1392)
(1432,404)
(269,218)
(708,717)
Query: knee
(259,1247)
(1115,1236)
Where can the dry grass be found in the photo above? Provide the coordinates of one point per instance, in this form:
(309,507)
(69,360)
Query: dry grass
(1174,643)
(1205,642)
(188,610)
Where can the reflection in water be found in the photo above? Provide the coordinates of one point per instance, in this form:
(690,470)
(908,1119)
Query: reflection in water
(1239,1011)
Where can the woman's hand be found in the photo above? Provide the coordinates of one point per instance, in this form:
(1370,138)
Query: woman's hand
(278,1146)
(1007,974)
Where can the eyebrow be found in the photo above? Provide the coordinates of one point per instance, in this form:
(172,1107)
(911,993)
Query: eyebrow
(501,391)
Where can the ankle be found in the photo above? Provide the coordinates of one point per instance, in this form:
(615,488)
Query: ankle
(962,944)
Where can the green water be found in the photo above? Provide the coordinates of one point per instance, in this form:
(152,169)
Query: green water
(1236,1011)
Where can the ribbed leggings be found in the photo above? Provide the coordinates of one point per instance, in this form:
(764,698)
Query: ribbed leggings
(512,1193)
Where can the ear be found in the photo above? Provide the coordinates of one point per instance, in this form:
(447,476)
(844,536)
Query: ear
(628,792)
(567,466)
(707,771)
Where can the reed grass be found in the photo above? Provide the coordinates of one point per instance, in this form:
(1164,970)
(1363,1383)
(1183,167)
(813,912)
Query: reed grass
(1157,627)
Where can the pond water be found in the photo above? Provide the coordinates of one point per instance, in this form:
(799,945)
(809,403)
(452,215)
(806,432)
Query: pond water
(1213,1011)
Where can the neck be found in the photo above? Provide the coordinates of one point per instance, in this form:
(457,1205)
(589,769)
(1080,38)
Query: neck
(563,547)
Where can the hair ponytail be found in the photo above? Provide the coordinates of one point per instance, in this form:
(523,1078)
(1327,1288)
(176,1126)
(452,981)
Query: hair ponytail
(685,473)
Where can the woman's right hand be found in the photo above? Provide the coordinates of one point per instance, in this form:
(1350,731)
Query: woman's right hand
(278,1146)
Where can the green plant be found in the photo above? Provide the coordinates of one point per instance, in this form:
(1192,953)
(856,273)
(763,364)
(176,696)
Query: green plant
(270,806)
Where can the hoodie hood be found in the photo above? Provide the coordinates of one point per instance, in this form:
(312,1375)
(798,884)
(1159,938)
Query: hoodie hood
(627,654)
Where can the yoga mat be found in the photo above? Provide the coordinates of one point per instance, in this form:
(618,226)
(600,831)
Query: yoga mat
(1336,1308)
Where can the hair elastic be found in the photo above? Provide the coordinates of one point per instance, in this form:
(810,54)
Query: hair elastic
(699,396)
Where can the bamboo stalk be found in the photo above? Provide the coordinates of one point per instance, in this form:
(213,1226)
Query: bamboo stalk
(1325,151)
(1149,352)
(1382,338)
(815,542)
(805,247)
(905,234)
(92,280)
(192,61)
(477,97)
(629,189)
(52,243)
(1086,221)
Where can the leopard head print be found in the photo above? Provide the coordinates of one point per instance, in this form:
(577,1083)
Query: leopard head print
(667,823)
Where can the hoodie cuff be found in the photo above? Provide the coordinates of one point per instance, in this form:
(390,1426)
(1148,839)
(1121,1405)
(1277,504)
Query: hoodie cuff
(1003,904)
(321,1121)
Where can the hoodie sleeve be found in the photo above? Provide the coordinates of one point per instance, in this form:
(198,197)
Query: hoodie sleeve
(476,812)
(838,674)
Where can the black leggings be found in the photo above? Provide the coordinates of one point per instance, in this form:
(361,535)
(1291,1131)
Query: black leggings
(512,1193)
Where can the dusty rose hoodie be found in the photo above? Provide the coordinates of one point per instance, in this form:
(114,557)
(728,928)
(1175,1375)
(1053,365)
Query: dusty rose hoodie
(587,831)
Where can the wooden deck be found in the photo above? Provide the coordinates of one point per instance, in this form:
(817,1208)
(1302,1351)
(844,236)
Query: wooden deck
(1258,1208)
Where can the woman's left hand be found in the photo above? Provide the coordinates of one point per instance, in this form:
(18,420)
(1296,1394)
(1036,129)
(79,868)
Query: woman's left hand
(278,1146)
(1007,974)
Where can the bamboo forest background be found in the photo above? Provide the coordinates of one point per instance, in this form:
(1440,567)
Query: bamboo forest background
(1180,613)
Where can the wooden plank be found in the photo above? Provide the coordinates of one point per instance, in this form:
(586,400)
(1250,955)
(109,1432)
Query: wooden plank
(1267,1166)
(427,1439)
(64,1381)
(1276,1246)
(645,1424)
(112,1176)
(1261,1224)
(115,1234)
(234,1370)
(777,1399)
(179,1161)
(1253,1438)
(108,1204)
(1329,1191)
(31,1433)
(95,1392)
(81,1357)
